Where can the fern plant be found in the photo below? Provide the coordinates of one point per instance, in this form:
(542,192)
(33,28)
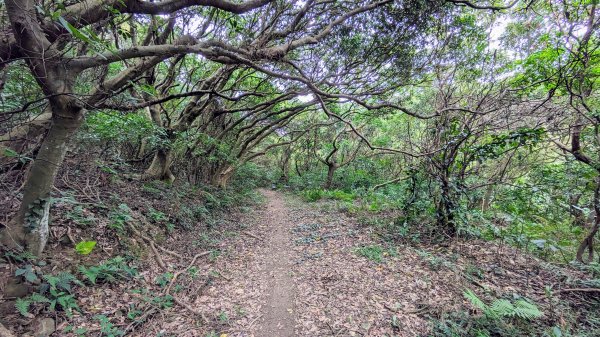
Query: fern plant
(55,292)
(109,271)
(22,306)
(501,308)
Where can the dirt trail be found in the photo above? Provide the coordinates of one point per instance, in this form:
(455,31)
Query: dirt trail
(299,269)
(278,312)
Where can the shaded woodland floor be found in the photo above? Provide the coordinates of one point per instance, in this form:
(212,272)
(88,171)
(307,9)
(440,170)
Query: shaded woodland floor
(288,268)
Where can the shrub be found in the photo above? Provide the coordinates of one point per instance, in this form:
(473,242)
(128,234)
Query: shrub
(312,195)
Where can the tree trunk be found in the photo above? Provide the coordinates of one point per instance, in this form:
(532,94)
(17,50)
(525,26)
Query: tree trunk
(588,242)
(160,168)
(486,201)
(576,211)
(331,168)
(297,168)
(285,166)
(29,228)
(445,209)
(221,178)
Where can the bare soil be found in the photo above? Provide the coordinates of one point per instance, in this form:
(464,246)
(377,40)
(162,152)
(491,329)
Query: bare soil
(278,311)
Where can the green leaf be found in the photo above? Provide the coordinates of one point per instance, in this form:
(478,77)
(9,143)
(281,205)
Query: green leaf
(28,273)
(11,153)
(74,31)
(85,247)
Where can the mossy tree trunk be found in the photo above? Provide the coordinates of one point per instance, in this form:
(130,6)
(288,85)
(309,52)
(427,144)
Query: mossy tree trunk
(588,241)
(28,229)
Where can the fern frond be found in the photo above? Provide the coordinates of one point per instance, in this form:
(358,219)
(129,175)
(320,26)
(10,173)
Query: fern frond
(527,310)
(37,298)
(65,279)
(476,301)
(23,306)
(502,308)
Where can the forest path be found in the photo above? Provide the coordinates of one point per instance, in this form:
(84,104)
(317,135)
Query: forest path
(286,267)
(291,268)
(278,311)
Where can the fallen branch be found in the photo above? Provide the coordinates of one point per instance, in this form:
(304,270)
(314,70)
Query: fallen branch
(157,256)
(251,235)
(175,276)
(189,308)
(223,276)
(586,290)
(153,247)
(131,327)
(376,187)
(169,252)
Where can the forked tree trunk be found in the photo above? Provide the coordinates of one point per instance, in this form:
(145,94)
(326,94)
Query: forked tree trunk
(160,168)
(29,228)
(331,168)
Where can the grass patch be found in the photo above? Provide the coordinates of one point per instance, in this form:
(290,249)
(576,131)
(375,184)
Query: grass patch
(375,253)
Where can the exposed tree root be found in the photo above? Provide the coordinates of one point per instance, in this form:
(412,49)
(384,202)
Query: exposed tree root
(176,275)
(154,248)
(159,247)
(157,256)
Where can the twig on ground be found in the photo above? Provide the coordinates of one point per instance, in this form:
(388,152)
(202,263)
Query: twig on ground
(189,308)
(254,321)
(138,233)
(169,252)
(157,256)
(390,308)
(131,327)
(223,276)
(176,275)
(251,235)
(69,235)
(587,290)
